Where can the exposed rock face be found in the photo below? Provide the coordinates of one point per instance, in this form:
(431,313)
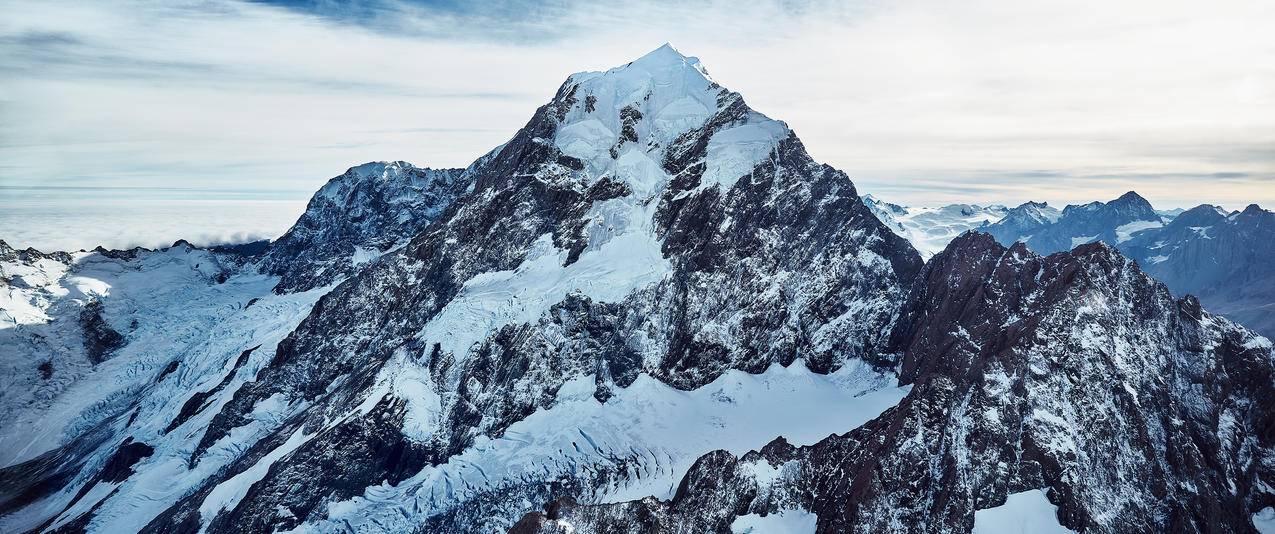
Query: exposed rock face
(356,217)
(1074,372)
(1225,259)
(100,340)
(695,236)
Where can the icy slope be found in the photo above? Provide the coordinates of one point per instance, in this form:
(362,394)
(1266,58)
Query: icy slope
(636,444)
(79,417)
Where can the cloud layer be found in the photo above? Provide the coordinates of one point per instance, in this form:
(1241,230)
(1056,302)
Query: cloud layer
(921,102)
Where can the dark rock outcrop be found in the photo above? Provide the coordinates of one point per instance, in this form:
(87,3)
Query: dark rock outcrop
(1074,372)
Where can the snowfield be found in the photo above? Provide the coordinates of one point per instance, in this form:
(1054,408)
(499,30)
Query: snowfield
(185,331)
(656,430)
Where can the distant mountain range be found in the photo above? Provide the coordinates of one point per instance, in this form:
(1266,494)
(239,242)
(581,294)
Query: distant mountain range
(1226,259)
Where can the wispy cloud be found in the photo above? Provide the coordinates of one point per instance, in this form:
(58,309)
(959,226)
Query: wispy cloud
(921,101)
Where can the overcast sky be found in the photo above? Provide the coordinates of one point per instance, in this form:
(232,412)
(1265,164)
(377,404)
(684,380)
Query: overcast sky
(921,102)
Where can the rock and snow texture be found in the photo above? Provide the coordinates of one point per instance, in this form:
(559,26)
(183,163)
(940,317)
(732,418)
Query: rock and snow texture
(1074,372)
(1225,259)
(931,229)
(29,284)
(649,309)
(1046,230)
(357,216)
(639,443)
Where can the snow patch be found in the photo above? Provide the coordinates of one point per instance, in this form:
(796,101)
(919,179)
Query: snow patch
(1264,521)
(791,521)
(363,255)
(1029,512)
(734,152)
(1202,231)
(1077,241)
(1125,232)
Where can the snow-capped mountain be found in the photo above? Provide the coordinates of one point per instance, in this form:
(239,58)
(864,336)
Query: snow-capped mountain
(650,307)
(931,229)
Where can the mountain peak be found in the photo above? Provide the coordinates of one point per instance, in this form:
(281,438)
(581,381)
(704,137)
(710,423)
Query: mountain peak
(663,66)
(1253,209)
(622,122)
(1131,207)
(1131,196)
(665,55)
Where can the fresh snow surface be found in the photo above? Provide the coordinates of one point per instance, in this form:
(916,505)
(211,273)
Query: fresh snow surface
(182,314)
(1126,232)
(931,229)
(674,94)
(793,521)
(1077,241)
(662,429)
(1029,512)
(1264,521)
(623,255)
(31,289)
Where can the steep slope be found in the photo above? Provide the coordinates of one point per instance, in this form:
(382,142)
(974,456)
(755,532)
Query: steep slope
(645,240)
(1075,373)
(356,217)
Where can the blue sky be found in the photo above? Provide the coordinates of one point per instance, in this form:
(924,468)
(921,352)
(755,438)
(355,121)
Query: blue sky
(921,102)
